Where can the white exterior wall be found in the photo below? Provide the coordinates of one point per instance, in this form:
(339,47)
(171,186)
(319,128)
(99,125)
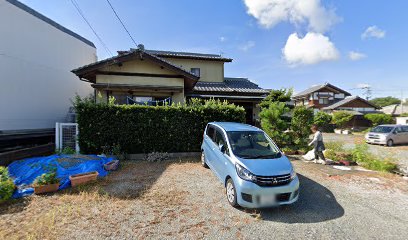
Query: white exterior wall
(36,58)
(402,120)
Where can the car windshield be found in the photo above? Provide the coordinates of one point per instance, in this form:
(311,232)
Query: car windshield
(382,129)
(252,145)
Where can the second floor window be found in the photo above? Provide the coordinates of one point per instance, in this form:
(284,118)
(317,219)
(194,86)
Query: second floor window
(195,71)
(323,101)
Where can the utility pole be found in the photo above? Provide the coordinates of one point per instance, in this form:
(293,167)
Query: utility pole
(367,92)
(402,101)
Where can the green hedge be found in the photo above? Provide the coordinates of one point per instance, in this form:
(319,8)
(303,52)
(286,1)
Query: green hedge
(144,129)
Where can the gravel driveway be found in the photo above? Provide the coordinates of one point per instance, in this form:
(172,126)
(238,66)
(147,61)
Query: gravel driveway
(184,200)
(399,152)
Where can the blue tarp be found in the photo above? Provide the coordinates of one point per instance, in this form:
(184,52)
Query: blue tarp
(24,172)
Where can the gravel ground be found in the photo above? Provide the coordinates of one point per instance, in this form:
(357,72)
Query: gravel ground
(183,200)
(399,153)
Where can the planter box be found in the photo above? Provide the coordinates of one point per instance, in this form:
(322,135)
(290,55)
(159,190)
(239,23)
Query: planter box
(289,152)
(346,132)
(82,178)
(337,131)
(111,166)
(46,188)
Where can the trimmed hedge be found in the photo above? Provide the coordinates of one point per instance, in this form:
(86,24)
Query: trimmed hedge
(144,129)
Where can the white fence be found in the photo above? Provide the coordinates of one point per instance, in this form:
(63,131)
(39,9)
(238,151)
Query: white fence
(66,136)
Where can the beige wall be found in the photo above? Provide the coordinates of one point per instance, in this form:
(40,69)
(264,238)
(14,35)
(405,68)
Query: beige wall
(141,81)
(139,66)
(210,71)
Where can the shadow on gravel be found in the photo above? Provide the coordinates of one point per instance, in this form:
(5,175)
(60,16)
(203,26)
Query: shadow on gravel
(316,204)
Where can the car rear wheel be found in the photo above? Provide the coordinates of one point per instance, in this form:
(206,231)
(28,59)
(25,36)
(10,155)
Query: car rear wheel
(231,193)
(390,143)
(203,163)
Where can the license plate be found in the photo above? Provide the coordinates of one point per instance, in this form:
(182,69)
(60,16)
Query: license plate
(268,200)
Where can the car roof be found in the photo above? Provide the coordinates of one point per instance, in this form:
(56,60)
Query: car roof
(233,126)
(389,125)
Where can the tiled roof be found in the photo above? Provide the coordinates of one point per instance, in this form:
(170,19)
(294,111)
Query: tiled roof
(188,55)
(347,100)
(395,109)
(49,21)
(242,85)
(317,88)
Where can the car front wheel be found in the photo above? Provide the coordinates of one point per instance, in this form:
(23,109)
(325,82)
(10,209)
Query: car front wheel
(231,193)
(203,163)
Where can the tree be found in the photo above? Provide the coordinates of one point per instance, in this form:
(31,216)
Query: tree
(378,118)
(322,119)
(300,125)
(273,123)
(282,95)
(341,118)
(385,101)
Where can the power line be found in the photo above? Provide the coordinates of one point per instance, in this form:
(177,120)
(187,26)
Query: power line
(121,22)
(90,26)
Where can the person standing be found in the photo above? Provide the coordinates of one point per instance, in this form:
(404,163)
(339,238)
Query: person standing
(318,144)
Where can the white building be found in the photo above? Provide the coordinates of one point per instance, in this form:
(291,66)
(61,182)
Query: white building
(36,59)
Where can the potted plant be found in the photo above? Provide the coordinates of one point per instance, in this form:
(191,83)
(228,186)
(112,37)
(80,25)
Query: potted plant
(47,182)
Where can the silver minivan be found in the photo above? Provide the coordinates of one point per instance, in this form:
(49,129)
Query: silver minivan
(254,171)
(388,135)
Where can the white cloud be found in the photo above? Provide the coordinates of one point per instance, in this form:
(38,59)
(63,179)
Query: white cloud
(355,56)
(271,12)
(363,85)
(248,45)
(373,32)
(223,39)
(311,49)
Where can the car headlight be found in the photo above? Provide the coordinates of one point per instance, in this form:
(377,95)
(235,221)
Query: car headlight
(292,174)
(244,173)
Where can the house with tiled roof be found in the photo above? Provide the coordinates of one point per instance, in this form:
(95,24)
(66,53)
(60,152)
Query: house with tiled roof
(141,76)
(329,98)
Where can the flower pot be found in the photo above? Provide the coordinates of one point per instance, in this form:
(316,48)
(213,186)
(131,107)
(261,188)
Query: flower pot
(346,132)
(111,166)
(46,188)
(290,152)
(82,178)
(301,152)
(337,131)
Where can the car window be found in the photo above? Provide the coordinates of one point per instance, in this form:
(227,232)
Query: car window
(398,130)
(405,129)
(210,132)
(219,138)
(252,145)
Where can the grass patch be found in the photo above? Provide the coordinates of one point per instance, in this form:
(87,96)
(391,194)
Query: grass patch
(363,157)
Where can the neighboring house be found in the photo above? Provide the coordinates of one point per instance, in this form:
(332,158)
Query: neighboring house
(150,76)
(36,57)
(402,120)
(395,109)
(330,98)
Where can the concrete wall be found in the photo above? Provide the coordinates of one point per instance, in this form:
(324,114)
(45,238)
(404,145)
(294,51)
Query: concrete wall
(36,58)
(210,71)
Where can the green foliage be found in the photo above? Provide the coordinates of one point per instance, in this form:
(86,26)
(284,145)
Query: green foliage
(282,95)
(145,129)
(300,125)
(404,115)
(6,185)
(274,124)
(385,101)
(378,118)
(322,119)
(341,118)
(336,152)
(362,156)
(46,179)
(67,151)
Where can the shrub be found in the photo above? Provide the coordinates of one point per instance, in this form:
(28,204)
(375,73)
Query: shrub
(378,118)
(145,129)
(341,118)
(46,179)
(361,155)
(274,124)
(385,101)
(282,95)
(322,119)
(300,125)
(6,185)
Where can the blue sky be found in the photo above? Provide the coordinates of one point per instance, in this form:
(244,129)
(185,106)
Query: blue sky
(319,37)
